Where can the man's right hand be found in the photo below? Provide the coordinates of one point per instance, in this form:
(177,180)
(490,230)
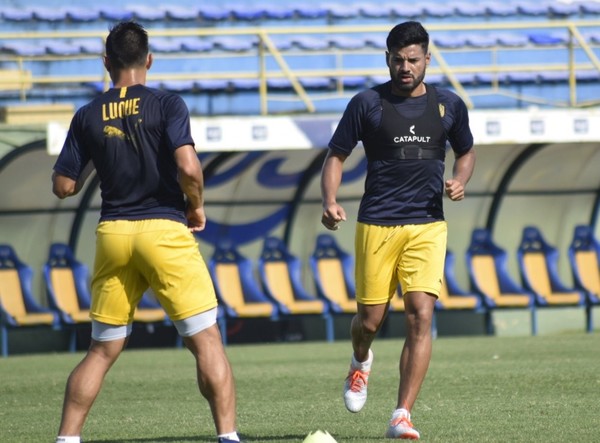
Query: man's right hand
(332,216)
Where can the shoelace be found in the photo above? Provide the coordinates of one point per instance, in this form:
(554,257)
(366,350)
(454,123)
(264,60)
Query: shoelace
(357,380)
(402,420)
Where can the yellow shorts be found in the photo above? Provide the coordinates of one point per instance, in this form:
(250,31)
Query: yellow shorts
(134,255)
(410,255)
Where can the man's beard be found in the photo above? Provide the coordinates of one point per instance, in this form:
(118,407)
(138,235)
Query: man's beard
(408,87)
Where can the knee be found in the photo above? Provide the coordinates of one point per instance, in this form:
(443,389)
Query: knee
(419,321)
(368,326)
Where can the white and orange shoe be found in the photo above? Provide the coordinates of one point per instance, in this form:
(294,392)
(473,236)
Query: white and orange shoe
(355,385)
(401,428)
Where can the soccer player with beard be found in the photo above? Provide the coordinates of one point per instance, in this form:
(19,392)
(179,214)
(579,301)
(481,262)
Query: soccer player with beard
(404,125)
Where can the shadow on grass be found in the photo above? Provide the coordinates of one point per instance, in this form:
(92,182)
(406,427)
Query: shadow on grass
(245,439)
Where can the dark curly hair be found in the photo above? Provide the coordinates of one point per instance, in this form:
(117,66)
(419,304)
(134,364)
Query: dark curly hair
(406,34)
(127,45)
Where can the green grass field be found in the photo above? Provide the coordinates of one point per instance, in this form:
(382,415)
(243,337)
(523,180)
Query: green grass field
(480,389)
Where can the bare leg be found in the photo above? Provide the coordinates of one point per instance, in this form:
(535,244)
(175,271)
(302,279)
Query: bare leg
(416,353)
(215,378)
(364,327)
(85,382)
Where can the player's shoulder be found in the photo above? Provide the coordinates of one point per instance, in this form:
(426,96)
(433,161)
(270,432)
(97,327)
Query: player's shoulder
(447,96)
(370,97)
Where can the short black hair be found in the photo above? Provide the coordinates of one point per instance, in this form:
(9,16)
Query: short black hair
(406,34)
(127,45)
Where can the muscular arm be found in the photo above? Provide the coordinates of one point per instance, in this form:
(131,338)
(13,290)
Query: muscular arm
(462,172)
(191,181)
(63,186)
(331,177)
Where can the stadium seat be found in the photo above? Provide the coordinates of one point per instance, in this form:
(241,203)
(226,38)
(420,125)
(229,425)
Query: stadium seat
(237,290)
(500,9)
(467,9)
(67,290)
(333,273)
(280,276)
(57,47)
(590,7)
(47,14)
(165,45)
(341,10)
(78,14)
(115,13)
(310,11)
(211,13)
(452,296)
(538,267)
(146,13)
(375,10)
(533,8)
(489,277)
(584,257)
(278,11)
(247,12)
(437,9)
(181,12)
(18,307)
(17,14)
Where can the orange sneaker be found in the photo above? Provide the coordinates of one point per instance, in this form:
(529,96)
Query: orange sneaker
(402,428)
(355,387)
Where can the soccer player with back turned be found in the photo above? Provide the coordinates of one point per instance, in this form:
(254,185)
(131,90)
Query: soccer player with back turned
(138,139)
(404,125)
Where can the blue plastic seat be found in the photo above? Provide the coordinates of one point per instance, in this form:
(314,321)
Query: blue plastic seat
(590,7)
(146,12)
(310,11)
(341,10)
(500,9)
(194,44)
(46,14)
(563,10)
(538,267)
(17,14)
(278,11)
(212,13)
(310,43)
(114,13)
(247,11)
(181,13)
(67,289)
(165,45)
(533,8)
(512,39)
(437,9)
(375,10)
(584,257)
(57,47)
(18,307)
(489,277)
(468,9)
(281,279)
(26,49)
(452,296)
(238,292)
(333,273)
(234,44)
(78,14)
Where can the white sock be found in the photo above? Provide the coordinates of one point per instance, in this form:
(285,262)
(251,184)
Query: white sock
(365,365)
(230,436)
(401,412)
(69,439)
